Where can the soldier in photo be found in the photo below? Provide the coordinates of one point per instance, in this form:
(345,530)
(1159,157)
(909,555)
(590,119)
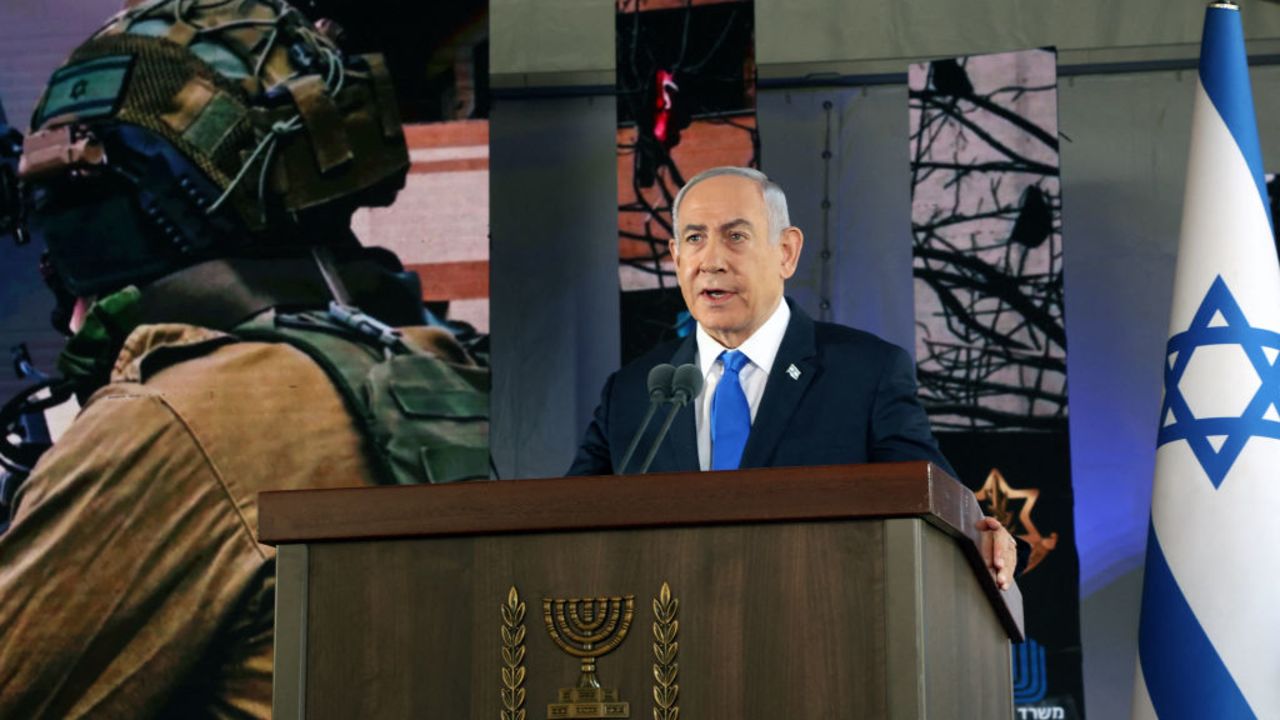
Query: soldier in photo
(191,170)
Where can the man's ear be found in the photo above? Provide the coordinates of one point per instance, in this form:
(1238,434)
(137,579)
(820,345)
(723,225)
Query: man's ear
(790,245)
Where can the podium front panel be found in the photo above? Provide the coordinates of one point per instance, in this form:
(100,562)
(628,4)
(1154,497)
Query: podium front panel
(821,619)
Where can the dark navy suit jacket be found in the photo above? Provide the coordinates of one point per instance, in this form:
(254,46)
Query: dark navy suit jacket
(854,401)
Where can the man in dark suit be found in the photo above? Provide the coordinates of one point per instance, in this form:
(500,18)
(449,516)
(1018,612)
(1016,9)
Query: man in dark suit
(780,389)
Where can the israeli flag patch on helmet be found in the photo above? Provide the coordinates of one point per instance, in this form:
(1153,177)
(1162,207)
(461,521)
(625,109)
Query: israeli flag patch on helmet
(87,90)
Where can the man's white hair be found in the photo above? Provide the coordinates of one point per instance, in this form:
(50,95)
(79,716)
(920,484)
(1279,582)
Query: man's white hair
(775,201)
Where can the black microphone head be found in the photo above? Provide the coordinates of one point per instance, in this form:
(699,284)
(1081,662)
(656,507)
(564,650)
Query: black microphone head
(686,384)
(660,381)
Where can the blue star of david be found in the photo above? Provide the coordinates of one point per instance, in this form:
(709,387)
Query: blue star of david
(1251,423)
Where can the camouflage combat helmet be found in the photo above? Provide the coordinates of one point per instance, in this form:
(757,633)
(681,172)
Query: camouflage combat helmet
(188,129)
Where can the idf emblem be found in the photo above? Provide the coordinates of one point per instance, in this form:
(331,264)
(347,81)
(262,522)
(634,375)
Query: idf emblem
(997,498)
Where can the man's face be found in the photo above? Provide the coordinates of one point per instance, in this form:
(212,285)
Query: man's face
(730,271)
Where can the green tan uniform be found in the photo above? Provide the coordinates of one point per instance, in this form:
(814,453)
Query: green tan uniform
(131,583)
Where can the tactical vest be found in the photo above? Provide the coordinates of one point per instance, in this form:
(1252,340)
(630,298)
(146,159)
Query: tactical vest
(423,419)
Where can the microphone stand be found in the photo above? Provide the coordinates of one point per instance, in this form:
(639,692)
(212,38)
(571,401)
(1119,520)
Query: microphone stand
(659,392)
(686,385)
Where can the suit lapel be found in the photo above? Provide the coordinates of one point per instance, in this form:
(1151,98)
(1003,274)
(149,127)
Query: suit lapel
(783,390)
(682,442)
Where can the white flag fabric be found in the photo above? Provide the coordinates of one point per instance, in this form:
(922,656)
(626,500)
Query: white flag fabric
(1209,640)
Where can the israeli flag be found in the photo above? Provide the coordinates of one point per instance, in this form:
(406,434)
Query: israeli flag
(1209,640)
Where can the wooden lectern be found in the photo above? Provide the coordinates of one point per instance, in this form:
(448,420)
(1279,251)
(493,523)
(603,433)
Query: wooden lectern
(823,592)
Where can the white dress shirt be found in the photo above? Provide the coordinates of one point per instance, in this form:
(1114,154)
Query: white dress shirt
(761,349)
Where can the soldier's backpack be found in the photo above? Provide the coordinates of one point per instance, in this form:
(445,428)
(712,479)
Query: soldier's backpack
(424,418)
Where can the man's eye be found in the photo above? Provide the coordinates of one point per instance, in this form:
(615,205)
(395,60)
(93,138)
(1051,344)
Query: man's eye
(693,238)
(737,237)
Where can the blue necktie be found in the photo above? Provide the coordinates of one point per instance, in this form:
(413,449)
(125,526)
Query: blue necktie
(730,414)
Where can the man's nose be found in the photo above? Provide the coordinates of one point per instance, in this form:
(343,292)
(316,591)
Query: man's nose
(712,258)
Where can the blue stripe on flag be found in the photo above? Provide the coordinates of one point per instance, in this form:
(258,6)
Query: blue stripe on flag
(1185,676)
(1224,73)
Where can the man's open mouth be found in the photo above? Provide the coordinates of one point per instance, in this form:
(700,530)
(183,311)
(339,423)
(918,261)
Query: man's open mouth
(716,294)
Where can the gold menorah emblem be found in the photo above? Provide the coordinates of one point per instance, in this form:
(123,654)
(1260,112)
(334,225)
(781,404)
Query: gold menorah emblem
(588,628)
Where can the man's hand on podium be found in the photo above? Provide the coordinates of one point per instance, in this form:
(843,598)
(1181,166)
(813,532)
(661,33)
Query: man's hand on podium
(999,551)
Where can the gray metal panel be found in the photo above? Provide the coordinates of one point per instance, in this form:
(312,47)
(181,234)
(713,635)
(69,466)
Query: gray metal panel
(553,275)
(551,36)
(851,37)
(870,188)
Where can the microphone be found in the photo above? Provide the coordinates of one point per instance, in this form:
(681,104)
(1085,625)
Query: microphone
(685,386)
(659,392)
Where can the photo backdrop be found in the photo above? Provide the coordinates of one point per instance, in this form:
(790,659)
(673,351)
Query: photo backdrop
(686,103)
(438,56)
(990,328)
